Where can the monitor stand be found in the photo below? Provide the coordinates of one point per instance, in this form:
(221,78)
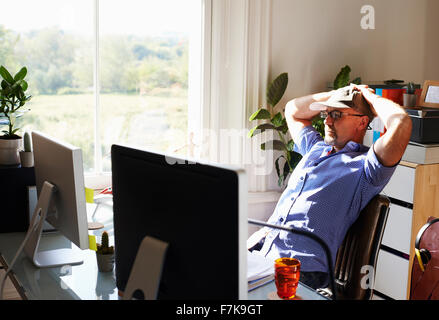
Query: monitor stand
(51,258)
(146,272)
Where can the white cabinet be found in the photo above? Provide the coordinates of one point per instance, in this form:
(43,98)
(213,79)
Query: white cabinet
(413,191)
(391,275)
(401,185)
(398,228)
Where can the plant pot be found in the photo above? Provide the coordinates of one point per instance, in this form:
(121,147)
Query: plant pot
(9,151)
(409,100)
(27,159)
(105,262)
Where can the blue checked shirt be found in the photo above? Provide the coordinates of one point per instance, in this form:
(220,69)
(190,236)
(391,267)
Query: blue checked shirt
(324,195)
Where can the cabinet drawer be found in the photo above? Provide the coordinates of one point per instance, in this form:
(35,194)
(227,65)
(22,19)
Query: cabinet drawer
(398,228)
(401,185)
(392,275)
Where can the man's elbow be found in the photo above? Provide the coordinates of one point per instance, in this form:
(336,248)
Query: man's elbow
(405,125)
(291,109)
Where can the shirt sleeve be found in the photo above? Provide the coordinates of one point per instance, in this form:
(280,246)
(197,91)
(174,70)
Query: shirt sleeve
(376,173)
(306,139)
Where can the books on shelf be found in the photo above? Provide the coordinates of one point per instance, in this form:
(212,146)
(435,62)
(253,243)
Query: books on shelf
(421,153)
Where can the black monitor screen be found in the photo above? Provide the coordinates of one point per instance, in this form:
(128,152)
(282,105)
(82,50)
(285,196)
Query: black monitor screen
(192,207)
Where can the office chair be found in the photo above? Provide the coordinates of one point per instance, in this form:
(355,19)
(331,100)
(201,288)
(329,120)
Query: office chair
(360,248)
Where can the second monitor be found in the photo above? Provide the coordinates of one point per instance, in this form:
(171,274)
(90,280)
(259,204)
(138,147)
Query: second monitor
(199,210)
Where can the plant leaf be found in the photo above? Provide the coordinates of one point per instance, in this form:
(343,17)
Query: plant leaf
(24,85)
(342,78)
(6,75)
(294,158)
(259,129)
(357,80)
(286,170)
(260,114)
(276,163)
(277,120)
(20,74)
(273,145)
(276,89)
(290,145)
(319,125)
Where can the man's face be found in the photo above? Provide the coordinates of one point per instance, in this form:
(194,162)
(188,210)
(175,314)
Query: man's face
(340,131)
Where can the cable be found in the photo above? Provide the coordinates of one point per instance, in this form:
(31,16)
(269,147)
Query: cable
(309,235)
(20,249)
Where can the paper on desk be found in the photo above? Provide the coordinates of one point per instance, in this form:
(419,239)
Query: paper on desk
(258,266)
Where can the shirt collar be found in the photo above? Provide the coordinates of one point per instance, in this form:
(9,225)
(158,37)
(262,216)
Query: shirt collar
(351,146)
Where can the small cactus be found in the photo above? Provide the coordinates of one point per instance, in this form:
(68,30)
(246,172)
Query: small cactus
(411,88)
(27,143)
(104,247)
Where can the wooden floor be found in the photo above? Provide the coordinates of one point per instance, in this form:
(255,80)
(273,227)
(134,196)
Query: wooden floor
(9,293)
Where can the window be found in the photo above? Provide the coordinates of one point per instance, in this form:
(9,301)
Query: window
(180,76)
(104,72)
(56,47)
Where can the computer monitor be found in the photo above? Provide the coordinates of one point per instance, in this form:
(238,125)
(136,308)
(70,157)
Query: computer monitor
(199,210)
(59,178)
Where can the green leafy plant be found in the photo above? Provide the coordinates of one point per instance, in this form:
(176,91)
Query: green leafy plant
(275,120)
(343,78)
(410,88)
(104,247)
(12,99)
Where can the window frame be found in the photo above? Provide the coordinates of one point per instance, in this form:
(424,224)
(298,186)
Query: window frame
(233,33)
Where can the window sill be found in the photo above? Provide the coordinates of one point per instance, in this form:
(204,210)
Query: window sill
(101,181)
(97,181)
(263,197)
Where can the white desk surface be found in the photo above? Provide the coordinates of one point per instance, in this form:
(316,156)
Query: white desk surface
(84,281)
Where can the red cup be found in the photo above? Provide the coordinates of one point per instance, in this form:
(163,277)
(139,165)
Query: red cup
(287,274)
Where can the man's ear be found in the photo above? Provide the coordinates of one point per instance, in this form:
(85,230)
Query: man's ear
(364,123)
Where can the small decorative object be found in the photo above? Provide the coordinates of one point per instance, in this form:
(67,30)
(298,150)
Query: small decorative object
(12,100)
(409,97)
(430,94)
(27,156)
(105,254)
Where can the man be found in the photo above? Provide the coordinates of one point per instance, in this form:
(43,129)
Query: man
(336,177)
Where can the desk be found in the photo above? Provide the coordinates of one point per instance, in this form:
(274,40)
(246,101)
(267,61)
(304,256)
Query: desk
(84,281)
(80,282)
(303,292)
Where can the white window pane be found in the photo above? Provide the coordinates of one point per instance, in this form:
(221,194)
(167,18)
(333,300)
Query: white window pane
(53,39)
(144,59)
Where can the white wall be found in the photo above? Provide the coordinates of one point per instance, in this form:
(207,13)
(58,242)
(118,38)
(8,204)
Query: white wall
(313,39)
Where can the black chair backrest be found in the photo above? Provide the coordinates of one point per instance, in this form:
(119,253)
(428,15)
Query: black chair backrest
(360,248)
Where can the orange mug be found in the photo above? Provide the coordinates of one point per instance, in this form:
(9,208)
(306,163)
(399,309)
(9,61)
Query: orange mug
(286,275)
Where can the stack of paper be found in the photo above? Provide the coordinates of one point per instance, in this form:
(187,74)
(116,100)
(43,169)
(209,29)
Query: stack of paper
(260,270)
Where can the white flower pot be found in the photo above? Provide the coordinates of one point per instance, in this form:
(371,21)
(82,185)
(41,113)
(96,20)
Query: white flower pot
(409,100)
(27,159)
(9,151)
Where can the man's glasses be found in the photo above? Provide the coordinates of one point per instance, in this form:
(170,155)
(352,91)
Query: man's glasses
(335,114)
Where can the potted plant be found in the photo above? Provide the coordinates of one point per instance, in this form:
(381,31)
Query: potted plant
(276,121)
(12,100)
(26,155)
(409,98)
(105,254)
